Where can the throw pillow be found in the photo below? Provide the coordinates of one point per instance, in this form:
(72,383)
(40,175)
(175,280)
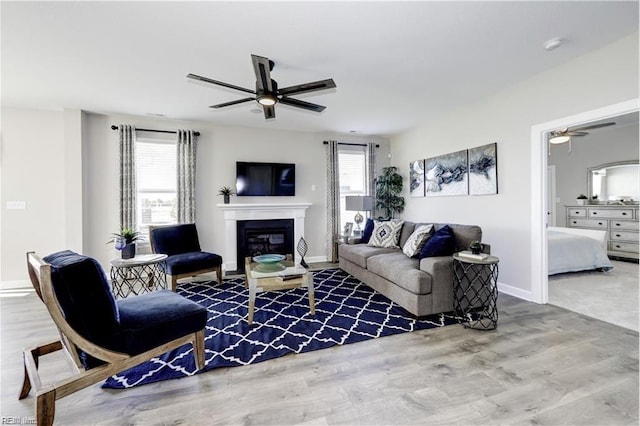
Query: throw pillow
(415,242)
(368,230)
(386,234)
(442,243)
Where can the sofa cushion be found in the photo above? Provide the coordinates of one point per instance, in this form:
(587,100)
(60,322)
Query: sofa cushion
(386,234)
(417,239)
(401,270)
(407,230)
(359,253)
(192,262)
(442,243)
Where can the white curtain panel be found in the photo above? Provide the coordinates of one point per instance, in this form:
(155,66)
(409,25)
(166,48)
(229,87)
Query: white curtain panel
(333,201)
(127,176)
(371,174)
(186,170)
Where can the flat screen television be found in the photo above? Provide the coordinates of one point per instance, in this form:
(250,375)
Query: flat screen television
(264,179)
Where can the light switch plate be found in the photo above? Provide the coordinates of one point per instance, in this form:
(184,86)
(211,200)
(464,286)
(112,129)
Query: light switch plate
(16,205)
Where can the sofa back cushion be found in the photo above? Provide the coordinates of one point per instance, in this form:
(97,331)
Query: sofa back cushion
(84,296)
(175,239)
(407,230)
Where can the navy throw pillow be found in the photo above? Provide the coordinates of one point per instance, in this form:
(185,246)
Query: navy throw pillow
(442,243)
(368,230)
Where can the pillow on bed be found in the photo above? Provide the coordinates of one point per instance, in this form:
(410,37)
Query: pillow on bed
(386,234)
(415,242)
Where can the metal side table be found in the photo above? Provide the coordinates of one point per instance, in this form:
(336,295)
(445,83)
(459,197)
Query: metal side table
(138,275)
(475,291)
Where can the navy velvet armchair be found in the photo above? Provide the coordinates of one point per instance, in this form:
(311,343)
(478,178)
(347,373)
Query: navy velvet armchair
(185,258)
(101,335)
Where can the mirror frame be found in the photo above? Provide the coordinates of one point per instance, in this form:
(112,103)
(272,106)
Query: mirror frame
(603,166)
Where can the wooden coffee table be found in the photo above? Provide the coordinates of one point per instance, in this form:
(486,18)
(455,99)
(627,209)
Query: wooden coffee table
(260,279)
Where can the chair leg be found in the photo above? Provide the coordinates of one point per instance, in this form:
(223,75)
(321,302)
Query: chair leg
(46,406)
(219,274)
(26,384)
(198,349)
(174,282)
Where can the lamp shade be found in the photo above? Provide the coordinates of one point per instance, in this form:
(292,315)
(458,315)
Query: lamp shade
(358,203)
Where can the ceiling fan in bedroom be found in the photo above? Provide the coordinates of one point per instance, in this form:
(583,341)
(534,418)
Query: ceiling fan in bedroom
(561,136)
(267,92)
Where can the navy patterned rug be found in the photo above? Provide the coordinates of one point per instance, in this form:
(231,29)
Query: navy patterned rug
(347,311)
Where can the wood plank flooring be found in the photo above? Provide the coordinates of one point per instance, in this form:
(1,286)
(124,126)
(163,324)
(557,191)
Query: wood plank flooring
(543,365)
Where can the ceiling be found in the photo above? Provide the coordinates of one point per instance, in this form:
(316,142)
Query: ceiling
(395,64)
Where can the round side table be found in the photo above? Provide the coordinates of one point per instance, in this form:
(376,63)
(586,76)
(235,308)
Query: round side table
(475,291)
(138,275)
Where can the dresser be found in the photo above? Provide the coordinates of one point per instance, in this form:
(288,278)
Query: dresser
(621,222)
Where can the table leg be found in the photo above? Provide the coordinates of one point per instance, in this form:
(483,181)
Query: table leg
(312,299)
(252,301)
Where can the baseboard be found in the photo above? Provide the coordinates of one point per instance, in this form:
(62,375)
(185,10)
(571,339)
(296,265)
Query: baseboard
(515,292)
(315,259)
(8,285)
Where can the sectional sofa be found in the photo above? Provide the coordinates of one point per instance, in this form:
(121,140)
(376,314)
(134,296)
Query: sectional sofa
(421,286)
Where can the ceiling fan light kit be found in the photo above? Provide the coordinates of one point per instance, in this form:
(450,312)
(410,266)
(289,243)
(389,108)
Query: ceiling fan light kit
(564,135)
(267,93)
(559,139)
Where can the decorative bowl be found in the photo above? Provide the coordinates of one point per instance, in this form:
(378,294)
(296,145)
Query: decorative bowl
(269,259)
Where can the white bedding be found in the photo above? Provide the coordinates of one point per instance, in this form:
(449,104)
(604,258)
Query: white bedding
(571,253)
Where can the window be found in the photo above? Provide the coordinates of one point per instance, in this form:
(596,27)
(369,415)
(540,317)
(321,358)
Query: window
(156,183)
(352,165)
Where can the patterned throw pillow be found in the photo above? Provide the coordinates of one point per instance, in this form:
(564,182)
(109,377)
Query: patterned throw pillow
(386,234)
(415,242)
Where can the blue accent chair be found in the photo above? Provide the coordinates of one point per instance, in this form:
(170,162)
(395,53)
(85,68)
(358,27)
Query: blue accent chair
(101,335)
(185,258)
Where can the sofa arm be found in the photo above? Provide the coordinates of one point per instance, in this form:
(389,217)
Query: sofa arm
(437,266)
(441,270)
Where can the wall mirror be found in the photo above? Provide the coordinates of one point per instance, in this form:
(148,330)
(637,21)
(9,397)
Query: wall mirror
(614,182)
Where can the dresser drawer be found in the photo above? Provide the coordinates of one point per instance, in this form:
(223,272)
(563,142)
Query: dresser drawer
(577,212)
(618,246)
(588,223)
(623,225)
(623,236)
(613,213)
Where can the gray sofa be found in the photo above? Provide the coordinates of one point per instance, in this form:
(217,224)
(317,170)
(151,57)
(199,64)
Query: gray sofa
(421,286)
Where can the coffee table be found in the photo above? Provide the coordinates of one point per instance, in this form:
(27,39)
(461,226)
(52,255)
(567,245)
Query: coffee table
(289,275)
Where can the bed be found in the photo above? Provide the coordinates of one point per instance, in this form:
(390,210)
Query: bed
(573,250)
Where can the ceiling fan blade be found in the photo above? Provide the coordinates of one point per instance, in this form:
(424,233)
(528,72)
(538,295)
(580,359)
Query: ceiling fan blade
(302,104)
(269,111)
(307,87)
(262,67)
(594,126)
(572,133)
(219,83)
(226,104)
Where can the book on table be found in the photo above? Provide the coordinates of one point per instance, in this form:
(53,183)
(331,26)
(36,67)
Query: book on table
(467,254)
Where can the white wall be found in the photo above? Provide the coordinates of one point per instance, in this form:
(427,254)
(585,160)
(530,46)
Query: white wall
(607,145)
(76,162)
(33,170)
(601,78)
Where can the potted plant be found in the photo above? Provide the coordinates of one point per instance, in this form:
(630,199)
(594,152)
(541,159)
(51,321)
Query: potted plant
(475,247)
(594,199)
(226,192)
(581,200)
(125,241)
(388,188)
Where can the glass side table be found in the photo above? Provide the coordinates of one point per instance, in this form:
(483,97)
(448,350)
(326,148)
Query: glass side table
(137,275)
(475,291)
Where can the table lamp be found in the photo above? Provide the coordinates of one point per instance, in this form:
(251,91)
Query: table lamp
(357,204)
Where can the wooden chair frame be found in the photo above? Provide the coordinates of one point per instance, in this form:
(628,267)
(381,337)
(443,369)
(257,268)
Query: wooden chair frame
(47,394)
(173,279)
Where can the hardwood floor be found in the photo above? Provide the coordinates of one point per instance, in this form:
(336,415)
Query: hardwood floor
(543,365)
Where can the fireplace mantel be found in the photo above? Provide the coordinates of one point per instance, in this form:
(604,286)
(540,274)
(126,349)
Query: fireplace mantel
(260,211)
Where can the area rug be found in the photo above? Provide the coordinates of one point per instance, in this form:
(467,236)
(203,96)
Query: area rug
(347,311)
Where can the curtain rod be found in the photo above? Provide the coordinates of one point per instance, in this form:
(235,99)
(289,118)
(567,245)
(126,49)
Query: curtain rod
(352,144)
(114,127)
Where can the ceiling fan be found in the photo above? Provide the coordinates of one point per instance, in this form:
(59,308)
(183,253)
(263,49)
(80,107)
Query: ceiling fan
(564,135)
(267,92)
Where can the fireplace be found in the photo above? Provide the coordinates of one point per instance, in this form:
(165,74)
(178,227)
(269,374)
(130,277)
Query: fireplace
(256,237)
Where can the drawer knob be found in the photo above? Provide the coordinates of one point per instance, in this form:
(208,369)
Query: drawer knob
(624,213)
(594,213)
(617,224)
(599,223)
(617,246)
(574,222)
(617,235)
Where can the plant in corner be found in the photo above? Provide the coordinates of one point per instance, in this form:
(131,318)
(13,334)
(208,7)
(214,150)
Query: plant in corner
(125,241)
(388,188)
(226,192)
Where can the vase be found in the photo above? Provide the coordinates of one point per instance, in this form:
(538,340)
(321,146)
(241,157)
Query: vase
(226,199)
(302,250)
(129,251)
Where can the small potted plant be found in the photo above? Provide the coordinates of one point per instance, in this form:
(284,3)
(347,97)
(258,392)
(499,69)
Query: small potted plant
(594,199)
(581,200)
(125,241)
(475,247)
(226,192)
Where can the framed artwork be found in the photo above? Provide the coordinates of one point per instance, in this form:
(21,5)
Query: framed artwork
(416,178)
(348,227)
(483,170)
(446,175)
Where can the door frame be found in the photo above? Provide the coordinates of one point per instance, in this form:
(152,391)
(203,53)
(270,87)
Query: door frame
(552,216)
(539,154)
